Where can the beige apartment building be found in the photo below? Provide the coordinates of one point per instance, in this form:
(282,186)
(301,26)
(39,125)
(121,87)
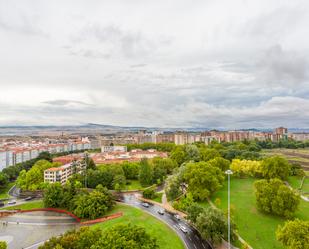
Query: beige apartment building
(63,173)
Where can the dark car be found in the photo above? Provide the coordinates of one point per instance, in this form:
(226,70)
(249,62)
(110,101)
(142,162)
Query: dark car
(29,198)
(1,204)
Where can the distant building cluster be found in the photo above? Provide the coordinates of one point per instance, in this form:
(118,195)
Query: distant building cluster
(14,152)
(113,145)
(183,137)
(115,154)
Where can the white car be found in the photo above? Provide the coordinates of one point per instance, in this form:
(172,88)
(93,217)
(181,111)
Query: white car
(183,228)
(11,202)
(161,211)
(145,204)
(177,217)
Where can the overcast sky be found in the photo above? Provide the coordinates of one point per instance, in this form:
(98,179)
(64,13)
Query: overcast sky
(183,63)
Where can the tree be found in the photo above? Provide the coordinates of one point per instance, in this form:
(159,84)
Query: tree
(45,155)
(208,154)
(93,205)
(184,202)
(126,236)
(53,195)
(193,211)
(220,163)
(212,224)
(165,164)
(131,170)
(275,197)
(172,187)
(275,167)
(145,173)
(3,245)
(149,193)
(178,155)
(3,180)
(192,153)
(243,168)
(74,239)
(34,178)
(202,179)
(294,234)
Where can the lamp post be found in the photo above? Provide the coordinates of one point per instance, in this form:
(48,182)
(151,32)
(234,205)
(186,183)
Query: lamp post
(229,172)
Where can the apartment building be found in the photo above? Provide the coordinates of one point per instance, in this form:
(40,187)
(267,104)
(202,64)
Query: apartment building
(63,173)
(118,148)
(18,153)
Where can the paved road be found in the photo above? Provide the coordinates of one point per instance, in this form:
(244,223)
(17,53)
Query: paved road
(191,239)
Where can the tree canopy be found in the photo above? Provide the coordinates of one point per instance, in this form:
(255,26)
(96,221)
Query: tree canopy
(202,179)
(275,167)
(275,197)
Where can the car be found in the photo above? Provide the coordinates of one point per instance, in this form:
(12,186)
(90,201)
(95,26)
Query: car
(177,217)
(29,198)
(11,202)
(183,228)
(161,211)
(145,204)
(1,204)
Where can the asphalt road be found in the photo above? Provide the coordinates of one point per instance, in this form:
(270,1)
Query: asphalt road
(191,239)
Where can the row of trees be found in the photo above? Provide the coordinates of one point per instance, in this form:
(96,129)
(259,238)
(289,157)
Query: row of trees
(117,237)
(82,203)
(33,179)
(116,176)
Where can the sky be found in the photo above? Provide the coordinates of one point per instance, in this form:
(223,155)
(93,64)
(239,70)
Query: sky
(156,63)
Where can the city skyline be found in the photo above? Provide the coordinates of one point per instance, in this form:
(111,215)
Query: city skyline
(232,65)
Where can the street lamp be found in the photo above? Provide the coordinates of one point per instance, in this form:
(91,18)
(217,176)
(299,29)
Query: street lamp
(229,172)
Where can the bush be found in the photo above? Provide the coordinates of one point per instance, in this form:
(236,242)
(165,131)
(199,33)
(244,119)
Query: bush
(294,234)
(149,193)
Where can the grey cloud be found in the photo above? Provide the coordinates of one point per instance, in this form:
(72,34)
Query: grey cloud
(283,67)
(64,102)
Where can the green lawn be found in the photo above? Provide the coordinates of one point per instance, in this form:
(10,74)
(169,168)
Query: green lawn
(25,206)
(166,237)
(158,197)
(4,192)
(134,185)
(256,228)
(295,182)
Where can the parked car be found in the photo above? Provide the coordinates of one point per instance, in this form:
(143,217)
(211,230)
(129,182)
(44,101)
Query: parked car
(177,217)
(29,198)
(1,204)
(145,204)
(161,211)
(183,228)
(11,202)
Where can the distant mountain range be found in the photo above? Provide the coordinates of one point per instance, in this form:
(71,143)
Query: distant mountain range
(92,128)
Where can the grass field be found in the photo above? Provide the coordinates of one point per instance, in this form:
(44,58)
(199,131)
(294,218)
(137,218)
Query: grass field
(25,206)
(165,236)
(134,185)
(256,228)
(4,191)
(295,182)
